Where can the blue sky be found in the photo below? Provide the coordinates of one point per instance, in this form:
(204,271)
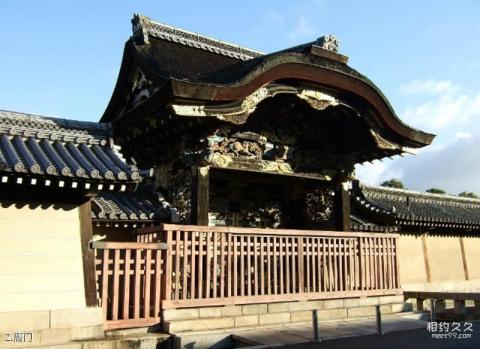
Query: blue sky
(61,58)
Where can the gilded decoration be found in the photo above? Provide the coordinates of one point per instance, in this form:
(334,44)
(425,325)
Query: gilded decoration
(238,112)
(276,167)
(316,99)
(254,153)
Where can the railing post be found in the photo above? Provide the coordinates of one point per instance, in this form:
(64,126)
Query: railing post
(433,315)
(301,273)
(379,319)
(397,263)
(167,269)
(316,334)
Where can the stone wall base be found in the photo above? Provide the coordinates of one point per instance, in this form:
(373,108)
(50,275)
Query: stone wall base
(45,327)
(272,314)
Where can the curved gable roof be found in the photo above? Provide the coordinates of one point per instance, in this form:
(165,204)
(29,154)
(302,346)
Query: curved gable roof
(192,67)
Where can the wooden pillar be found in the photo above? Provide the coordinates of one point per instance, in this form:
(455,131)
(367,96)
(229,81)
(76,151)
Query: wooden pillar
(476,309)
(88,255)
(293,217)
(441,306)
(459,307)
(426,259)
(464,259)
(420,304)
(201,195)
(342,207)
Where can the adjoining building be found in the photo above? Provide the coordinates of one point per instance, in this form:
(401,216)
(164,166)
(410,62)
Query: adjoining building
(252,203)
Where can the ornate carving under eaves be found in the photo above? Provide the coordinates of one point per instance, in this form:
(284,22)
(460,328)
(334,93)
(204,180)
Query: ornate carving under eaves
(276,167)
(219,160)
(237,147)
(142,89)
(249,145)
(316,99)
(250,103)
(226,161)
(382,143)
(238,112)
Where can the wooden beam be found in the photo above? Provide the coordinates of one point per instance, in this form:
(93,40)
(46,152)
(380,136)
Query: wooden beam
(263,231)
(464,259)
(425,257)
(88,255)
(342,207)
(462,296)
(202,195)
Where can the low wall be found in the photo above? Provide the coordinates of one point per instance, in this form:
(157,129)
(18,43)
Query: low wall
(439,262)
(275,314)
(49,326)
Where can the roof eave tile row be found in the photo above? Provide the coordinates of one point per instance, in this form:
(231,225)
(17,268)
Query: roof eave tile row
(44,150)
(409,208)
(130,208)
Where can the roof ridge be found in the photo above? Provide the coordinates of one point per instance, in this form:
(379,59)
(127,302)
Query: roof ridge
(420,194)
(143,26)
(13,122)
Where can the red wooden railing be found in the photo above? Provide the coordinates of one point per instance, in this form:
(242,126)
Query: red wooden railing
(129,282)
(224,265)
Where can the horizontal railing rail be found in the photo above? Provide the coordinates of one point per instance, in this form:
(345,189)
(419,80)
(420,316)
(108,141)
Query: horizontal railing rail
(161,228)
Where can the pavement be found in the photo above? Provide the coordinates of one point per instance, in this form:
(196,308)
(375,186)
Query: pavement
(329,330)
(408,339)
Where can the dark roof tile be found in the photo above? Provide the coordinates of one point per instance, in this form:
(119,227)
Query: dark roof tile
(407,207)
(32,145)
(130,207)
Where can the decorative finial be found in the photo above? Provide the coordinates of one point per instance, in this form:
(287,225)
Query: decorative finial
(328,42)
(139,27)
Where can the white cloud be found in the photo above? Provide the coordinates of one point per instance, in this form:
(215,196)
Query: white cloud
(431,87)
(452,161)
(376,172)
(463,135)
(439,113)
(445,105)
(303,30)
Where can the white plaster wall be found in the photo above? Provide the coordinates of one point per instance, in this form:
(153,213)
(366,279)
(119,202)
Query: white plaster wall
(40,259)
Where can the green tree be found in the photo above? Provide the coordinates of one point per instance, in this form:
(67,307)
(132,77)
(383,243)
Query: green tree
(393,183)
(435,191)
(468,194)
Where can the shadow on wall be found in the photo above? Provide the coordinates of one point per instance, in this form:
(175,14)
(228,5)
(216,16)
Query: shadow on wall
(36,205)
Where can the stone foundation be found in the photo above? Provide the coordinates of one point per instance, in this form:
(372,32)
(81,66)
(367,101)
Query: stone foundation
(275,314)
(49,327)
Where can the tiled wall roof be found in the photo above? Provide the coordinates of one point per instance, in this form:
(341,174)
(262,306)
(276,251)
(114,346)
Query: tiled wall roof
(126,209)
(39,149)
(411,208)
